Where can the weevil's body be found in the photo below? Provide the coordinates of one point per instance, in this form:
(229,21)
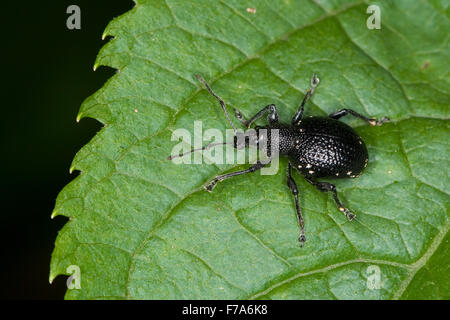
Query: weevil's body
(318,147)
(321,147)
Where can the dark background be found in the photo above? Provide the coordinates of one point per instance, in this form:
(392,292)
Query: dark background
(48,75)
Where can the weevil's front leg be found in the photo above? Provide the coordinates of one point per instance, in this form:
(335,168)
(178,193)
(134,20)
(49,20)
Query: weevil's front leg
(328,187)
(293,186)
(372,121)
(272,118)
(256,166)
(298,116)
(219,99)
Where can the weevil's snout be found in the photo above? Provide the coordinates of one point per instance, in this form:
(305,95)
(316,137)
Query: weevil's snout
(239,141)
(245,139)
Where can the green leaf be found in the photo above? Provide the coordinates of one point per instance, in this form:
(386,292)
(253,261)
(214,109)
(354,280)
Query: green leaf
(143,227)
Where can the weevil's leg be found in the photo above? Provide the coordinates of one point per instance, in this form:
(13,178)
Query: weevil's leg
(293,186)
(328,187)
(298,116)
(372,121)
(222,103)
(256,166)
(271,118)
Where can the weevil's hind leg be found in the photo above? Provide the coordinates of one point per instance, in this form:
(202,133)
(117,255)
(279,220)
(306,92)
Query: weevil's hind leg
(372,121)
(256,166)
(328,187)
(272,118)
(298,116)
(293,186)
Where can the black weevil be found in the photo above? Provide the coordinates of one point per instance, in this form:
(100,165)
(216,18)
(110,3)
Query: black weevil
(318,147)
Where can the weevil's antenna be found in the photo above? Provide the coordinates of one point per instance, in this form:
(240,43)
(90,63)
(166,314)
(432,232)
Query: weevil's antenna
(199,77)
(207,147)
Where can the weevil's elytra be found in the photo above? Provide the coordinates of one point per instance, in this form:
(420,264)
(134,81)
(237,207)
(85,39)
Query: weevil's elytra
(317,147)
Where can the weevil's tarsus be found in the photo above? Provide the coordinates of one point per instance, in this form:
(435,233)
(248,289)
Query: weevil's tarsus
(314,82)
(272,117)
(328,187)
(240,117)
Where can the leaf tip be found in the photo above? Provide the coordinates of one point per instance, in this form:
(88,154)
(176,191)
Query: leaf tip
(51,277)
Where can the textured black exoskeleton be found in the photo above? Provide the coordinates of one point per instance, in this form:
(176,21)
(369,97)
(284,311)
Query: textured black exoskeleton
(318,147)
